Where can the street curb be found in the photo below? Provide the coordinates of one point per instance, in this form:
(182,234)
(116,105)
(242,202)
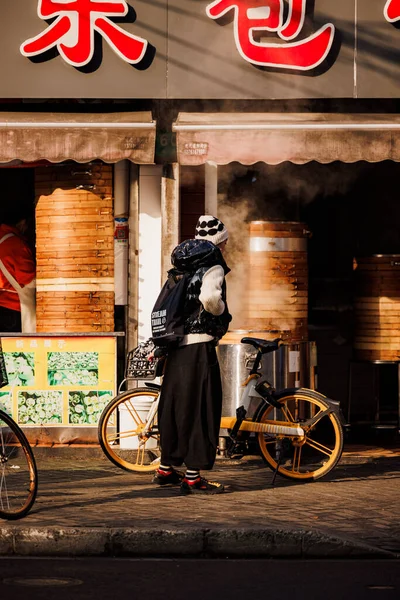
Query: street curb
(239,543)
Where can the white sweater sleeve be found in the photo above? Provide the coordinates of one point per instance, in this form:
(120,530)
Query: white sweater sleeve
(211,291)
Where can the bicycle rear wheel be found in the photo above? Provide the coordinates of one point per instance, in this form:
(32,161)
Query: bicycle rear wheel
(18,473)
(316,453)
(121,431)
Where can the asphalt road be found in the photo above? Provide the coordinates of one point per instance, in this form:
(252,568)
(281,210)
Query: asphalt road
(163,579)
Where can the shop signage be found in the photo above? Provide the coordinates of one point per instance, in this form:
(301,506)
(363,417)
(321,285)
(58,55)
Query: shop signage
(392,10)
(223,49)
(196,148)
(136,143)
(297,53)
(73,31)
(166,147)
(58,381)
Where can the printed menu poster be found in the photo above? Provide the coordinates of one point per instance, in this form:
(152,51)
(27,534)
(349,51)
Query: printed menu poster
(58,381)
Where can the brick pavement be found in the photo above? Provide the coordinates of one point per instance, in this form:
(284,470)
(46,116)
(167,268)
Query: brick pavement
(358,501)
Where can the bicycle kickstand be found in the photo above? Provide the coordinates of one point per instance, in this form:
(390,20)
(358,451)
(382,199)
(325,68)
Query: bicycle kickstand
(278,455)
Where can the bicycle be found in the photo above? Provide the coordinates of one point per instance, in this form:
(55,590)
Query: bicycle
(299,431)
(18,472)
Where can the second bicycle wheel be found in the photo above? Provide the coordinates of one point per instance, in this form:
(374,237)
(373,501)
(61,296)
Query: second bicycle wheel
(122,434)
(304,458)
(18,474)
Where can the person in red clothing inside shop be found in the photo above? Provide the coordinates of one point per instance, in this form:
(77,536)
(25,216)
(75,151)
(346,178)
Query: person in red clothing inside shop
(17,274)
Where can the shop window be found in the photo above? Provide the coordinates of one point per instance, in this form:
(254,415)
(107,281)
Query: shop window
(75,248)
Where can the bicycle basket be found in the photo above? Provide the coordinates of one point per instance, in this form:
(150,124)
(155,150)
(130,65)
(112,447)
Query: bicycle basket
(138,365)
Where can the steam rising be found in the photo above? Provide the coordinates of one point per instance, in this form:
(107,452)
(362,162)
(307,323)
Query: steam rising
(271,193)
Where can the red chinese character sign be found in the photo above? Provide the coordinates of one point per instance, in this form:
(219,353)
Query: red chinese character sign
(73,32)
(252,16)
(392,10)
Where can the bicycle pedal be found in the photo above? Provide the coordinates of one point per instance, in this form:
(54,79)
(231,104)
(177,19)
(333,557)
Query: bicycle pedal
(240,415)
(235,449)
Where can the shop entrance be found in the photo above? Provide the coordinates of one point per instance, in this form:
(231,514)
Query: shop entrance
(17,247)
(352,213)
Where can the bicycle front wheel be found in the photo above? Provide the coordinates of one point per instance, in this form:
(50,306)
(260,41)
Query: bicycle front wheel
(127,439)
(306,458)
(18,473)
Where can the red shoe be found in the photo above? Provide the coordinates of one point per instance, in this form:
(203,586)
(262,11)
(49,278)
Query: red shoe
(168,477)
(201,486)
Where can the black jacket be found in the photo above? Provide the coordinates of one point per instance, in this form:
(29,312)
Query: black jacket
(196,257)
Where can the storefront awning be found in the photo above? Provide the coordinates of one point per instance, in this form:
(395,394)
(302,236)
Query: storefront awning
(296,137)
(80,137)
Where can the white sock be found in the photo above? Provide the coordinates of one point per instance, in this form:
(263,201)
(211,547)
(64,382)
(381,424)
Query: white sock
(165,468)
(192,474)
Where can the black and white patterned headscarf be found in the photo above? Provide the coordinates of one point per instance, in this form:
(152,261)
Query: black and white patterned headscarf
(212,229)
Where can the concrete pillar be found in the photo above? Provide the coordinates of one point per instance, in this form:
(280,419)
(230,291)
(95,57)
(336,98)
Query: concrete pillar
(211,189)
(149,274)
(121,212)
(133,259)
(170,210)
(121,188)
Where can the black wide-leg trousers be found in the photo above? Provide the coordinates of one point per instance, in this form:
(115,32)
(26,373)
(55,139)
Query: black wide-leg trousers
(189,412)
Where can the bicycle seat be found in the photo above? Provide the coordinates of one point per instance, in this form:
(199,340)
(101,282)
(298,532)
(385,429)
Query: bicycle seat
(263,345)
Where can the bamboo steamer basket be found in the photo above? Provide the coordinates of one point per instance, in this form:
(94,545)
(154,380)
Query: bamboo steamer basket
(75,249)
(277,285)
(377,307)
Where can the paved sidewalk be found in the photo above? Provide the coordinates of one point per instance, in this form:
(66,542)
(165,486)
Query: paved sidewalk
(87,506)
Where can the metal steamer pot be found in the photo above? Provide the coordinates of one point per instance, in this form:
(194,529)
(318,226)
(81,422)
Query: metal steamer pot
(292,365)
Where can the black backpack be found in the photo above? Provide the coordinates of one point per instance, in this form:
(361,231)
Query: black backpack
(167,316)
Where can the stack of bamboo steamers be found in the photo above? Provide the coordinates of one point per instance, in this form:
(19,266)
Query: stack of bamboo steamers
(377,307)
(276,296)
(75,249)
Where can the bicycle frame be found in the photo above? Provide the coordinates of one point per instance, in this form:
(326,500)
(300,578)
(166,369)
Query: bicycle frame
(252,401)
(281,422)
(151,414)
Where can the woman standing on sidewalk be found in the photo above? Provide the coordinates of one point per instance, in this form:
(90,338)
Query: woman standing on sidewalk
(190,407)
